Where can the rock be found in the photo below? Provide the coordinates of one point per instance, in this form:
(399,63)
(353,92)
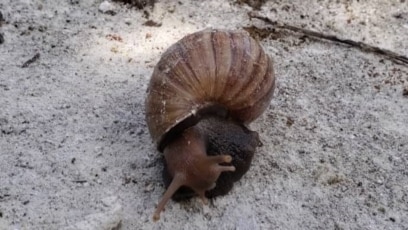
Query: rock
(107,8)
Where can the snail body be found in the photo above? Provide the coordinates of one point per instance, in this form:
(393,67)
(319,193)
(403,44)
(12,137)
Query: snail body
(203,93)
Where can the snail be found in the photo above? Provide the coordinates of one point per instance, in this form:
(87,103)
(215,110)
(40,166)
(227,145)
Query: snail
(203,93)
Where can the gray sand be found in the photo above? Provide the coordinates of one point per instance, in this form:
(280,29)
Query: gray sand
(75,152)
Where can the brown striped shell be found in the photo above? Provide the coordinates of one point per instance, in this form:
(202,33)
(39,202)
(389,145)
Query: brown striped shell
(221,72)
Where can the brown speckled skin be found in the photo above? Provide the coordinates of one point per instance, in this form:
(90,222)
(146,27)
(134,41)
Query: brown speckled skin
(222,137)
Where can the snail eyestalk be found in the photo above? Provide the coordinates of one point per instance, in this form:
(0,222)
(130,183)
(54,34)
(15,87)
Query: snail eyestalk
(175,184)
(190,166)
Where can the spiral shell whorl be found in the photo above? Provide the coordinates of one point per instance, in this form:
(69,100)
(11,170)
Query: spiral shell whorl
(204,70)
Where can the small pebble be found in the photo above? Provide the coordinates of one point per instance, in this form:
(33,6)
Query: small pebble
(404,90)
(107,8)
(148,188)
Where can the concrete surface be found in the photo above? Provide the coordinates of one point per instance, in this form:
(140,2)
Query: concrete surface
(74,148)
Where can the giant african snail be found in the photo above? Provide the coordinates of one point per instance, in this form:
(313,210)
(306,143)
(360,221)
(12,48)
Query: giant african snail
(203,92)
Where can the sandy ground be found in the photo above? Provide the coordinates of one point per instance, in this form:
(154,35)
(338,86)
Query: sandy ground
(75,152)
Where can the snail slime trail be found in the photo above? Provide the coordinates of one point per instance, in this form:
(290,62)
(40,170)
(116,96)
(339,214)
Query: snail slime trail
(204,91)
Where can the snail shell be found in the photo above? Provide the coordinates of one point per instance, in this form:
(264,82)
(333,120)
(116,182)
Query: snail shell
(203,92)
(211,71)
